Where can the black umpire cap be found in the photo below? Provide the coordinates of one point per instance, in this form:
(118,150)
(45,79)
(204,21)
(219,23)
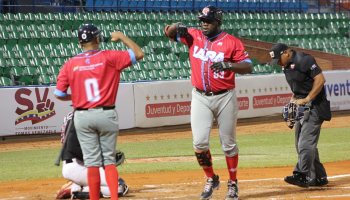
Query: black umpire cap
(276,51)
(211,12)
(88,32)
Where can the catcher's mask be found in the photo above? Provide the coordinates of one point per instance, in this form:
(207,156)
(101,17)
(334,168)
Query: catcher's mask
(211,12)
(293,113)
(88,32)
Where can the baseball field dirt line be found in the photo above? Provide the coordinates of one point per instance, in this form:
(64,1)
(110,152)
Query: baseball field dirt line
(257,183)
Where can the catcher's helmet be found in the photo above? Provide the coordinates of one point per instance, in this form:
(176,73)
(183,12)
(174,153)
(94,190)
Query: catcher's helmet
(88,32)
(211,12)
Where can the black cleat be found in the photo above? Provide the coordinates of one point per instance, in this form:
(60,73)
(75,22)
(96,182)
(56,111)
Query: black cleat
(297,179)
(212,184)
(232,192)
(318,182)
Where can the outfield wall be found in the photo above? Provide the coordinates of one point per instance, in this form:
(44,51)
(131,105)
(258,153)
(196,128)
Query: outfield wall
(35,110)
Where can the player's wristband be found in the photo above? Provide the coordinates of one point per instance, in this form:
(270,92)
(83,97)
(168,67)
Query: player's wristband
(166,33)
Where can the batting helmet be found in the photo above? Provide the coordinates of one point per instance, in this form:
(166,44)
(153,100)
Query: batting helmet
(88,32)
(211,12)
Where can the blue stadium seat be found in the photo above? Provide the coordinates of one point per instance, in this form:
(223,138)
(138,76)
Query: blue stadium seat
(98,5)
(304,6)
(189,6)
(232,7)
(156,5)
(141,5)
(124,5)
(149,6)
(89,5)
(173,6)
(133,5)
(181,5)
(115,6)
(107,5)
(165,6)
(196,5)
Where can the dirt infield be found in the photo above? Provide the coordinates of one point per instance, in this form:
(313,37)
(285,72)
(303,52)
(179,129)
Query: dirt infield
(258,183)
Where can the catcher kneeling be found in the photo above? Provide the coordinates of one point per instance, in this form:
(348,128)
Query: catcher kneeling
(75,171)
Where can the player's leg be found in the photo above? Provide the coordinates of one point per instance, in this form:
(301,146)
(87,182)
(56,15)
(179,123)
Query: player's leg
(227,122)
(318,172)
(109,129)
(201,124)
(307,144)
(90,146)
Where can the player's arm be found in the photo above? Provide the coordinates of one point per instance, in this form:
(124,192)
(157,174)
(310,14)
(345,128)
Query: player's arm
(116,36)
(244,67)
(319,81)
(62,96)
(173,31)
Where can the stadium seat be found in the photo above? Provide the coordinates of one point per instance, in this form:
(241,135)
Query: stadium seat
(44,79)
(5,81)
(107,5)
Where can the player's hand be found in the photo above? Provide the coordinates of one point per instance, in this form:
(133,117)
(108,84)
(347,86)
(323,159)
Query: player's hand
(181,29)
(116,35)
(221,66)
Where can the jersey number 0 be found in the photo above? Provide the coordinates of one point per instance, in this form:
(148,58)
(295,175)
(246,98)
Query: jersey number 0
(92,90)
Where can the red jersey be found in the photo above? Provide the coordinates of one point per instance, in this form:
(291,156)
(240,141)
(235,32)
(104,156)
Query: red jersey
(93,77)
(204,52)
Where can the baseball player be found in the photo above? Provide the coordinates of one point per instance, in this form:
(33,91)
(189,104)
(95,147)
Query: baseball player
(306,81)
(215,58)
(93,77)
(75,171)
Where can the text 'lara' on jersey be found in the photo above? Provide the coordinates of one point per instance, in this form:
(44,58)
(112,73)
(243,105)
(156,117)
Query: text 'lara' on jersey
(205,51)
(93,77)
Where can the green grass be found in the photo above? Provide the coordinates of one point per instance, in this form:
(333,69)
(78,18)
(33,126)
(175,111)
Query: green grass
(261,150)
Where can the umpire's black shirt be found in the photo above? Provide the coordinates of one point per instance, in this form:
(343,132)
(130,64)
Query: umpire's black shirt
(300,73)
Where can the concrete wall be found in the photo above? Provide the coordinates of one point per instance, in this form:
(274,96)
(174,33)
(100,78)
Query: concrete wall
(327,61)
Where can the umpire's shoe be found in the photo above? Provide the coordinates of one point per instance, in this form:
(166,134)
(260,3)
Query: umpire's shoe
(212,184)
(232,192)
(297,179)
(318,182)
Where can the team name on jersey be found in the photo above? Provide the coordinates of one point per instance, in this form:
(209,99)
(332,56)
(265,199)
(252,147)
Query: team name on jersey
(207,55)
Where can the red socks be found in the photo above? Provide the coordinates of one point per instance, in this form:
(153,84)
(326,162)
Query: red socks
(94,182)
(112,180)
(232,163)
(209,171)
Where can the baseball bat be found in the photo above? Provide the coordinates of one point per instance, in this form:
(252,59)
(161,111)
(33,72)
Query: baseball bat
(58,160)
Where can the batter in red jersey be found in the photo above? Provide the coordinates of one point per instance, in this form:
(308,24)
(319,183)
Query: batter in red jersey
(215,58)
(93,77)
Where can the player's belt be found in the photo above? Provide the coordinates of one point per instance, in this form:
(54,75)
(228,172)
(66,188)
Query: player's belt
(211,93)
(104,108)
(69,160)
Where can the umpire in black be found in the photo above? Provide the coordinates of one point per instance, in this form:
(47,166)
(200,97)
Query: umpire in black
(306,81)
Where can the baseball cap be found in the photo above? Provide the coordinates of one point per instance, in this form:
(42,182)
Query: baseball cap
(88,32)
(276,51)
(211,12)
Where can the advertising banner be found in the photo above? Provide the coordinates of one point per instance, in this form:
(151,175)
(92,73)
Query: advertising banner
(35,110)
(161,103)
(337,89)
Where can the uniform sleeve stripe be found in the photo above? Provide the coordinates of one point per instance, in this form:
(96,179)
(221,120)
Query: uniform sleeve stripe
(178,37)
(60,93)
(246,60)
(132,56)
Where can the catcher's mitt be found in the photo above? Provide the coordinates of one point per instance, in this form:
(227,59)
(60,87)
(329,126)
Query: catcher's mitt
(119,157)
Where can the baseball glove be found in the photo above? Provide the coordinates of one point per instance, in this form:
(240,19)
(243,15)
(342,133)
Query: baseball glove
(181,28)
(221,66)
(119,157)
